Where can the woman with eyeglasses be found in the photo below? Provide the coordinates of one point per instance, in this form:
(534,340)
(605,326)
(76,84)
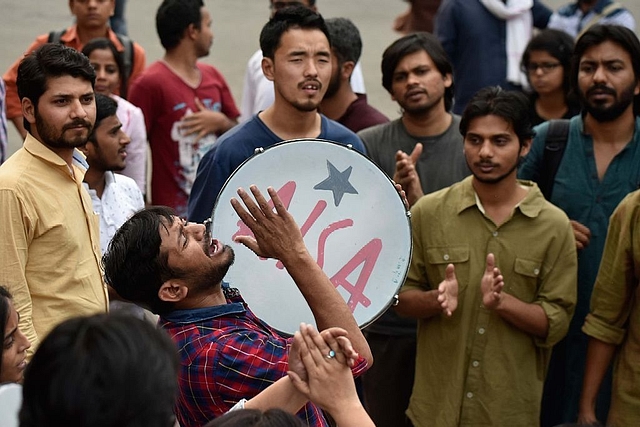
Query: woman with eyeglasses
(546,62)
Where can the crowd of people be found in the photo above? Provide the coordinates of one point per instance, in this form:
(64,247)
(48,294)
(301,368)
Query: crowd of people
(520,304)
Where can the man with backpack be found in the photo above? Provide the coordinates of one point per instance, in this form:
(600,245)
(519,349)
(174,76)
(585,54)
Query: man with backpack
(92,20)
(577,17)
(597,163)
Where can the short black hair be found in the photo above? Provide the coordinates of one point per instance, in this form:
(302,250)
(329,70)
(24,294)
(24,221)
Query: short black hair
(51,60)
(103,43)
(598,34)
(294,17)
(174,17)
(105,370)
(345,39)
(557,44)
(412,43)
(133,263)
(105,107)
(512,106)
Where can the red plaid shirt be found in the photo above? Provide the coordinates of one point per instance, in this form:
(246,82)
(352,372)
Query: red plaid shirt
(227,354)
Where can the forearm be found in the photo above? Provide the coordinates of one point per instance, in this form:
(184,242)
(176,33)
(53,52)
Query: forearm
(418,304)
(327,305)
(226,124)
(599,356)
(529,318)
(281,394)
(351,415)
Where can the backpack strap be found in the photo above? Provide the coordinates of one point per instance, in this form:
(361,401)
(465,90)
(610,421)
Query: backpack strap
(127,54)
(554,146)
(55,36)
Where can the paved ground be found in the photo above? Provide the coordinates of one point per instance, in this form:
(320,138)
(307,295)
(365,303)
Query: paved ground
(236,25)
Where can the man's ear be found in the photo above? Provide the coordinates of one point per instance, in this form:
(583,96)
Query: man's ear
(173,291)
(28,110)
(347,70)
(526,146)
(267,68)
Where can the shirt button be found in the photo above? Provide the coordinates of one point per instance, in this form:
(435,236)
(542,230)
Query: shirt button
(536,271)
(495,234)
(446,257)
(475,364)
(469,395)
(481,331)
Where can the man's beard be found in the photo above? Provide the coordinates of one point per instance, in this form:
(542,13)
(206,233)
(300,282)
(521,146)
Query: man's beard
(334,85)
(49,137)
(606,114)
(206,279)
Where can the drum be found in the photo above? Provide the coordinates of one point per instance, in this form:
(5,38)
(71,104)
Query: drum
(352,219)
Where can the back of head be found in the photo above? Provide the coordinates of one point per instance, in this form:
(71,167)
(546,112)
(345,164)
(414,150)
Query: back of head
(556,43)
(256,418)
(294,17)
(512,106)
(174,17)
(105,107)
(48,61)
(412,43)
(101,371)
(598,34)
(345,39)
(133,264)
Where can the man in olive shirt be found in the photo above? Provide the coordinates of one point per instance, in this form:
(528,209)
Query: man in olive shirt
(613,325)
(50,242)
(492,279)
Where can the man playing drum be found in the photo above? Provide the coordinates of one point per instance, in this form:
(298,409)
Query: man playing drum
(226,352)
(297,58)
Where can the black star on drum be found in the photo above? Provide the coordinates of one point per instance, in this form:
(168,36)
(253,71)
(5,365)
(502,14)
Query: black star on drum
(337,182)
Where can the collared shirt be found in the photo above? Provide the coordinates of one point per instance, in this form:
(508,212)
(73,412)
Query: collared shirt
(615,309)
(69,38)
(227,354)
(573,21)
(49,244)
(487,371)
(121,198)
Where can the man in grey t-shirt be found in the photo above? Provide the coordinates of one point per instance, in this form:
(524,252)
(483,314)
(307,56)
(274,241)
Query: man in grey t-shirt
(422,151)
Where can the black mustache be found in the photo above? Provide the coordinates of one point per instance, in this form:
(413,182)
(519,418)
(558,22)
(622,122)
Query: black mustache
(601,89)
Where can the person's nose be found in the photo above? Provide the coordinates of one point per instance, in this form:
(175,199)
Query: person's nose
(124,138)
(78,110)
(196,230)
(486,150)
(23,342)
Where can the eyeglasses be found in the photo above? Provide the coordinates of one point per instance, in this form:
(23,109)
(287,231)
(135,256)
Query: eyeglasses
(546,67)
(277,5)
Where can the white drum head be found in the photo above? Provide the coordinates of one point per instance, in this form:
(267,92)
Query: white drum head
(352,219)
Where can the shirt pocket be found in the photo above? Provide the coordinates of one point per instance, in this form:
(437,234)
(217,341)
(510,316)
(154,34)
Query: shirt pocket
(458,255)
(524,284)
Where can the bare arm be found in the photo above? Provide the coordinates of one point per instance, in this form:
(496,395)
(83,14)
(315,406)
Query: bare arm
(277,236)
(599,356)
(527,317)
(424,304)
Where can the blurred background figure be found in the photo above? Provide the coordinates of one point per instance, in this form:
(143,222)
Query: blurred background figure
(14,342)
(109,66)
(118,21)
(577,17)
(418,17)
(547,63)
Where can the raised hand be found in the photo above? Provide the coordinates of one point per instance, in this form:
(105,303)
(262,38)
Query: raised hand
(491,284)
(406,174)
(581,233)
(276,233)
(448,291)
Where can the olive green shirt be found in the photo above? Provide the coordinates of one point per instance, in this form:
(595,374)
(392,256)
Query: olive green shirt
(474,368)
(615,309)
